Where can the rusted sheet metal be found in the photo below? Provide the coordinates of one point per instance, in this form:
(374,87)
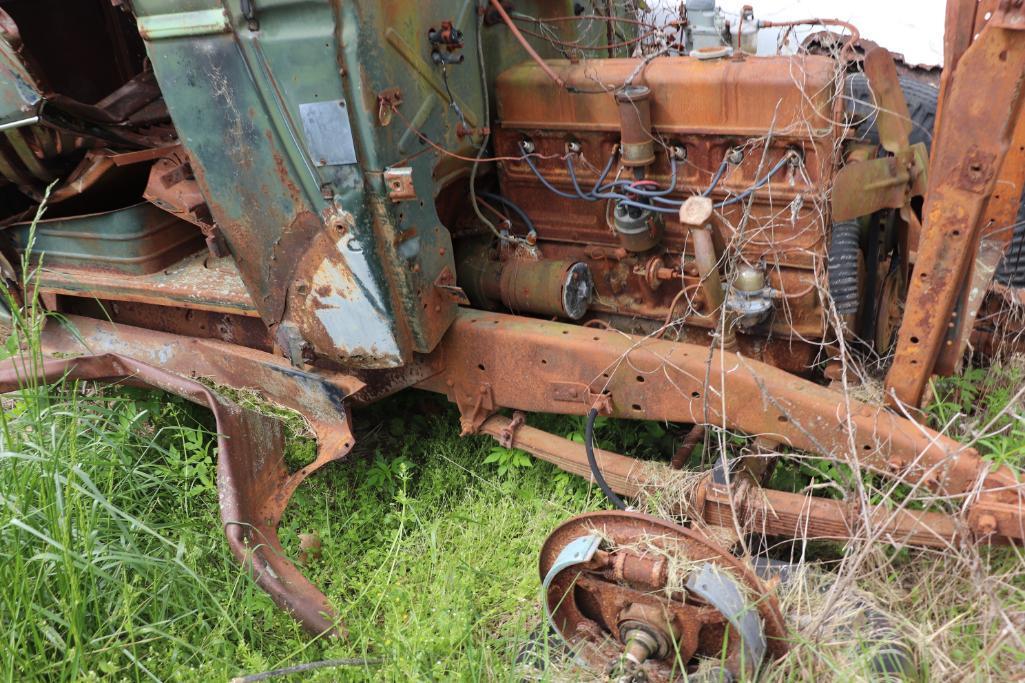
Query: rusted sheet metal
(951,356)
(232,328)
(20,87)
(172,186)
(496,360)
(198,282)
(631,581)
(319,397)
(829,43)
(962,22)
(961,181)
(775,513)
(1005,202)
(238,110)
(253,483)
(134,240)
(1002,209)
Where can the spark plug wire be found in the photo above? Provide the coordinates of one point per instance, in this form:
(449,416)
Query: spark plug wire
(658,203)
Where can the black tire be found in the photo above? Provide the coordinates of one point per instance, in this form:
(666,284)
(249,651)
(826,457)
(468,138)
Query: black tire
(921,98)
(1011,270)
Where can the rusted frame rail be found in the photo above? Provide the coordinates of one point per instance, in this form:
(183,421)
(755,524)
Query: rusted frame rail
(494,360)
(775,513)
(983,95)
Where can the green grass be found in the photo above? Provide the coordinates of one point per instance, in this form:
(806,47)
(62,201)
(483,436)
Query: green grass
(113,565)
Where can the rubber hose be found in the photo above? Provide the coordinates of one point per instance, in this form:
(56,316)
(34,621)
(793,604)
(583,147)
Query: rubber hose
(892,658)
(1011,270)
(844,254)
(593,462)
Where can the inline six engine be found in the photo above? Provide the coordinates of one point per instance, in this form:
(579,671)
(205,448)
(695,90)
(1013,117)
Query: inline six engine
(602,165)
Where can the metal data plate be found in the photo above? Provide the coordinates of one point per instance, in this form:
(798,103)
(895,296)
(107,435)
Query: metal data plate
(328,135)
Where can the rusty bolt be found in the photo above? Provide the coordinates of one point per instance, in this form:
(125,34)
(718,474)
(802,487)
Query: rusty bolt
(896,464)
(986,524)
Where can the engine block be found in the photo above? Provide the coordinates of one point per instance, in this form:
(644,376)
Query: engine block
(750,111)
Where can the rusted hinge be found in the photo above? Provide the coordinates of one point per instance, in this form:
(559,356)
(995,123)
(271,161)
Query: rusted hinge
(445,283)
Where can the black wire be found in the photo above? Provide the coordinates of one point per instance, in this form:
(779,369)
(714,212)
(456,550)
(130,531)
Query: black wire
(451,97)
(716,178)
(648,193)
(673,205)
(595,471)
(515,208)
(544,181)
(594,195)
(749,191)
(590,196)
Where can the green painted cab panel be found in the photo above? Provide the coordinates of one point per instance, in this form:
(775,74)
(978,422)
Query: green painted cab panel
(318,242)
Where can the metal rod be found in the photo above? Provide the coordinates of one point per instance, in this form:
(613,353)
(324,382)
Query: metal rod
(20,123)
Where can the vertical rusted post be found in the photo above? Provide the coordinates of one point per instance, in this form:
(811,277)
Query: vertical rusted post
(984,98)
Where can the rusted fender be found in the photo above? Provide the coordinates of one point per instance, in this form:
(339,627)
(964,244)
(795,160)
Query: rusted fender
(253,483)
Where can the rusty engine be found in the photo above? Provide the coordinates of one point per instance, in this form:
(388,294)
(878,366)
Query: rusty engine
(602,179)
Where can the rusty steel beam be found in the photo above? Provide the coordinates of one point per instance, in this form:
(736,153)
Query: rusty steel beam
(255,486)
(987,259)
(986,101)
(253,482)
(195,282)
(776,513)
(319,396)
(494,360)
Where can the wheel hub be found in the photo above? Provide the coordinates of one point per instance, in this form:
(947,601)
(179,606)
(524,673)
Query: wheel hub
(644,599)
